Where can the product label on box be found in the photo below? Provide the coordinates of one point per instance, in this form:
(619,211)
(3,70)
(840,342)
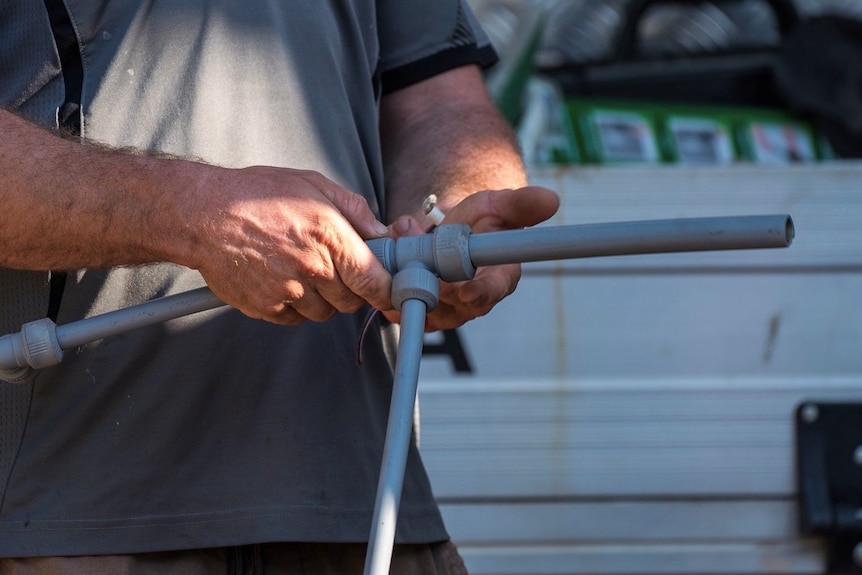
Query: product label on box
(624,137)
(700,141)
(780,143)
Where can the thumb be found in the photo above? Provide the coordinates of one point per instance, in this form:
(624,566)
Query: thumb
(526,206)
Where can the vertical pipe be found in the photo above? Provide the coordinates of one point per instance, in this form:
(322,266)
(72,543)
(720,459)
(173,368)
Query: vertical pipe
(398,436)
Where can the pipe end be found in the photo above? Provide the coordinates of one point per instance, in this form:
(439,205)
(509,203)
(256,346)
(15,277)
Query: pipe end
(789,231)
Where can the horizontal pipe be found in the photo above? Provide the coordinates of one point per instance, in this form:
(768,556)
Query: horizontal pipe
(155,311)
(630,238)
(483,249)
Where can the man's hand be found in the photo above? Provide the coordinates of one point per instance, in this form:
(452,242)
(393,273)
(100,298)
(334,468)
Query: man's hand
(287,245)
(445,136)
(484,212)
(279,244)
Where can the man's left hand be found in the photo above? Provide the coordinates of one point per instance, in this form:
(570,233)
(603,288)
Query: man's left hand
(484,211)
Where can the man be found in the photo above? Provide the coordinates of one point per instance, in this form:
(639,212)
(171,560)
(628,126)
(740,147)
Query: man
(252,146)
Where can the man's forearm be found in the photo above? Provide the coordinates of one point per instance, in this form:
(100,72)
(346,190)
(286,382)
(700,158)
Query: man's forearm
(447,138)
(68,205)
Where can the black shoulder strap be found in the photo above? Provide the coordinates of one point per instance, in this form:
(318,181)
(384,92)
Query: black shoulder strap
(69,116)
(69,50)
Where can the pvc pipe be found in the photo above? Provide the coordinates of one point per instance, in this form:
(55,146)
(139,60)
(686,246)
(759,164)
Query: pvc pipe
(155,311)
(629,238)
(398,433)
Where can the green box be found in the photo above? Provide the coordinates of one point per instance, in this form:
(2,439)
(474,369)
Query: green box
(698,138)
(623,131)
(778,139)
(615,132)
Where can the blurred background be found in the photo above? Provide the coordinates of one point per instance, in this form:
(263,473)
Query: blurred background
(583,30)
(604,81)
(642,415)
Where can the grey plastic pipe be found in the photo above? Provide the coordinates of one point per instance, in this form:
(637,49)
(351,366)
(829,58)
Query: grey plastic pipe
(41,343)
(630,238)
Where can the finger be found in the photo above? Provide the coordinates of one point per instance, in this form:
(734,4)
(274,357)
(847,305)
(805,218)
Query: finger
(301,297)
(525,206)
(406,226)
(446,316)
(312,306)
(335,277)
(489,286)
(340,265)
(360,272)
(505,209)
(339,297)
(355,210)
(287,316)
(281,313)
(355,264)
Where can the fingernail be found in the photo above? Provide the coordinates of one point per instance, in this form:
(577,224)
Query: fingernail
(380,228)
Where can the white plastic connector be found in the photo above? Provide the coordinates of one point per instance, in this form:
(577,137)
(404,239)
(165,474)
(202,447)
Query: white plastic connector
(430,209)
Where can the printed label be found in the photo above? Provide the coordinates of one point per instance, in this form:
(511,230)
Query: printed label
(701,141)
(624,137)
(780,143)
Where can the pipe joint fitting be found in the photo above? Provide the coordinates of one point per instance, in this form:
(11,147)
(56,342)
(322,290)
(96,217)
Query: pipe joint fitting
(415,282)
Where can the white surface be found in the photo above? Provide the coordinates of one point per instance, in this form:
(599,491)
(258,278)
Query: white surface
(635,414)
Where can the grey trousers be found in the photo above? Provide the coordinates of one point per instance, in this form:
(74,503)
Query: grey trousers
(266,559)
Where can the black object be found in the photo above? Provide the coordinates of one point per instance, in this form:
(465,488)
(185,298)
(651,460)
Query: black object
(829,474)
(69,114)
(451,347)
(742,77)
(818,76)
(786,16)
(815,72)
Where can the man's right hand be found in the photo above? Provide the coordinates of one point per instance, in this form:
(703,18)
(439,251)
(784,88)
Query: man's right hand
(286,245)
(279,244)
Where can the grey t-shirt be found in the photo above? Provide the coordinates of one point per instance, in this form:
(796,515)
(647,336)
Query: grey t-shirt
(214,429)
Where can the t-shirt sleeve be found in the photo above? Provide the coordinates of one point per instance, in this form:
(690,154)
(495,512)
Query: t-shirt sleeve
(422,38)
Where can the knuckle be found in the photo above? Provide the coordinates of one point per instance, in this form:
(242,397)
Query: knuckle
(318,271)
(355,203)
(366,285)
(320,238)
